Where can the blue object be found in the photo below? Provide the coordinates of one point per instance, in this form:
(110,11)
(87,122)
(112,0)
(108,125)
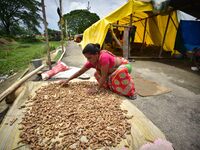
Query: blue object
(188,36)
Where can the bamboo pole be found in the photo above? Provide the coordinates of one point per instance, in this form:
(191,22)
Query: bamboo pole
(176,29)
(117,25)
(18,83)
(61,26)
(126,26)
(173,22)
(115,38)
(24,73)
(131,19)
(46,34)
(62,55)
(144,35)
(125,42)
(163,41)
(129,38)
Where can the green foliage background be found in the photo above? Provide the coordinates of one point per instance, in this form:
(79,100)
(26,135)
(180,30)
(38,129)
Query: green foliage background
(79,20)
(19,17)
(17,56)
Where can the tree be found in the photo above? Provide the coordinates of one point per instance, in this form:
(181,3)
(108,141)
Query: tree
(54,35)
(16,14)
(79,20)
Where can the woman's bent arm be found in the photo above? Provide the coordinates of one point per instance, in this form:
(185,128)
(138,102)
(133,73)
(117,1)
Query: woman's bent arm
(104,75)
(78,73)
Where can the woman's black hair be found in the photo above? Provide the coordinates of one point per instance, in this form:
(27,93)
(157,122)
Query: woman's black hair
(91,49)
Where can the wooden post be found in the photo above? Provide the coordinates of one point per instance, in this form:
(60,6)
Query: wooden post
(46,34)
(173,22)
(115,38)
(129,42)
(176,29)
(61,26)
(65,30)
(145,27)
(131,19)
(163,41)
(126,43)
(117,25)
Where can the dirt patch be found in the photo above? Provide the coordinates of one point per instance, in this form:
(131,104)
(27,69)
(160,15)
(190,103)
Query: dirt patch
(7,41)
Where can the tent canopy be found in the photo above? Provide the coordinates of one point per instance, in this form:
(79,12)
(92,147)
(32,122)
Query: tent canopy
(139,11)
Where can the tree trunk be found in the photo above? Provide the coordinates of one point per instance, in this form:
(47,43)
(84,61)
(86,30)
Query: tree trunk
(6,27)
(8,32)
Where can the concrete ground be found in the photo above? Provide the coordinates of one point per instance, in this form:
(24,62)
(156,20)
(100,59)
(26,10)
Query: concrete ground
(176,113)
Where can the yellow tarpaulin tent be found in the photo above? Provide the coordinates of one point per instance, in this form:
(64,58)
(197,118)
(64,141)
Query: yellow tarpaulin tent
(155,25)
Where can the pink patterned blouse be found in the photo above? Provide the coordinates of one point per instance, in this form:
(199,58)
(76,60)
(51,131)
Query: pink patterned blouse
(105,58)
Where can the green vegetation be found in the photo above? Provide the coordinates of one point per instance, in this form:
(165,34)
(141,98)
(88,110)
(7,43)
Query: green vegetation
(79,20)
(16,56)
(19,17)
(58,55)
(54,35)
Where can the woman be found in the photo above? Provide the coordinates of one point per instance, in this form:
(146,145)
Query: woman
(112,72)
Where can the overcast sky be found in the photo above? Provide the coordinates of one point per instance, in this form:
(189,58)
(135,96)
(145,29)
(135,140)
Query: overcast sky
(101,7)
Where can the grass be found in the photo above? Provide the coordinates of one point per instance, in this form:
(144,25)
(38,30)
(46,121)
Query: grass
(16,56)
(58,55)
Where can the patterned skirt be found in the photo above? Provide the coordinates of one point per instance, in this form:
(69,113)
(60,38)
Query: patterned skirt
(119,81)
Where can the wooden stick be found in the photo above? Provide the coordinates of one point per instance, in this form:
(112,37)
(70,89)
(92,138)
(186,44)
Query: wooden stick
(125,26)
(23,74)
(46,34)
(115,38)
(126,43)
(13,121)
(19,147)
(61,26)
(62,54)
(18,83)
(165,33)
(144,34)
(129,36)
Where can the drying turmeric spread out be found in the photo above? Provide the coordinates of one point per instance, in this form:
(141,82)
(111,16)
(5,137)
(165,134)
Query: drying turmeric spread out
(69,118)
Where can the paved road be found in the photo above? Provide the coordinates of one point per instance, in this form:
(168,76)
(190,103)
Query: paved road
(176,113)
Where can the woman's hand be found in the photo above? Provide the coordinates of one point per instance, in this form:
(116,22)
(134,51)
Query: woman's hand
(63,82)
(93,90)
